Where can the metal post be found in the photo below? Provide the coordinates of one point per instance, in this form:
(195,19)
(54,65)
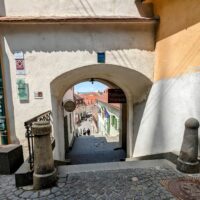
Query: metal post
(44,171)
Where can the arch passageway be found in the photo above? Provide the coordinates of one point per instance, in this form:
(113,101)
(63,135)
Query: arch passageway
(134,84)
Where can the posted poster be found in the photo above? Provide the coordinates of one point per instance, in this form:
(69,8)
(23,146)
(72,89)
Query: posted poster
(19,60)
(20,67)
(23,91)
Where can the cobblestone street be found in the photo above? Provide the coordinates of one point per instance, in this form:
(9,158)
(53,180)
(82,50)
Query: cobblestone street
(119,184)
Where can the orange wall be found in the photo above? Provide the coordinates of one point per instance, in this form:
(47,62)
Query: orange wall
(178,37)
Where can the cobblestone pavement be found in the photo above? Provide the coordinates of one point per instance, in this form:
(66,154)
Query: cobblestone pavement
(118,184)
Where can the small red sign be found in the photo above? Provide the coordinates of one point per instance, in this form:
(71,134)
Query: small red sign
(20,64)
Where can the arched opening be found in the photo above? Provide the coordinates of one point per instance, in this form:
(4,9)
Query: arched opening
(134,85)
(94,132)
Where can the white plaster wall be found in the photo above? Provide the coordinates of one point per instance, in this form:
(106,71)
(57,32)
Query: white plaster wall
(58,126)
(49,53)
(68,8)
(52,50)
(170,103)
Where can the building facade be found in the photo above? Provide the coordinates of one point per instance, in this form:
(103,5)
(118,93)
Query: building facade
(89,98)
(152,54)
(109,116)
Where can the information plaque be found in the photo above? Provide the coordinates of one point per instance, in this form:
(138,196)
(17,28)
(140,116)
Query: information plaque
(116,96)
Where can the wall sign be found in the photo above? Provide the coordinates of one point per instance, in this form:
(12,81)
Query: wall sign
(19,60)
(23,91)
(116,96)
(69,105)
(38,95)
(19,55)
(20,64)
(20,67)
(101,57)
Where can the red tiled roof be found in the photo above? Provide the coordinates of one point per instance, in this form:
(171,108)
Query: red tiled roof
(77,96)
(89,98)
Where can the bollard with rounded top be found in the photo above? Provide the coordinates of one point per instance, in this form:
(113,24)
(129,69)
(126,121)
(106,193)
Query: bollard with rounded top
(187,161)
(45,174)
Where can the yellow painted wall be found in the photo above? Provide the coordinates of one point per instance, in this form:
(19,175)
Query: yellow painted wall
(178,37)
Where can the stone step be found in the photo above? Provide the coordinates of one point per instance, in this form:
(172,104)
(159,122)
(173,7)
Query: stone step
(11,157)
(24,176)
(63,170)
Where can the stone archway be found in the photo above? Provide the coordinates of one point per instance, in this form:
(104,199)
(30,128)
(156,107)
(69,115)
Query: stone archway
(134,84)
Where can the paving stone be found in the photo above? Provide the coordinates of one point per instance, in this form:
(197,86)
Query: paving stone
(18,192)
(62,180)
(60,185)
(12,197)
(55,189)
(35,195)
(26,194)
(44,193)
(112,184)
(58,193)
(51,196)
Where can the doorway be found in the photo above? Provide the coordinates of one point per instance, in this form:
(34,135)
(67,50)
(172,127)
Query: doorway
(93,131)
(3,127)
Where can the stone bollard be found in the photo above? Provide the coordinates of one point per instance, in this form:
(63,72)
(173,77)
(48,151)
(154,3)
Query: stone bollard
(45,174)
(187,161)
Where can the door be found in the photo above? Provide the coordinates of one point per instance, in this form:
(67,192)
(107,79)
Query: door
(3,128)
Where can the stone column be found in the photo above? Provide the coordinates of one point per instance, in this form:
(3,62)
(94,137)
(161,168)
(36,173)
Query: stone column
(187,161)
(130,129)
(44,175)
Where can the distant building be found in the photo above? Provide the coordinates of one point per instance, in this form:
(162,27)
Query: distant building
(108,116)
(80,108)
(89,98)
(85,106)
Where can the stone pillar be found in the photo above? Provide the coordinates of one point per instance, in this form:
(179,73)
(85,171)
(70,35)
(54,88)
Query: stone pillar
(130,129)
(44,175)
(187,161)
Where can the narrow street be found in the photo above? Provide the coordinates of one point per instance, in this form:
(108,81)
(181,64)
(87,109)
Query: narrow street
(95,148)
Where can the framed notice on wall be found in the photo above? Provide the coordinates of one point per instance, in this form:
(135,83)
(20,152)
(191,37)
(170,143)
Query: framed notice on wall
(38,95)
(20,66)
(19,62)
(23,90)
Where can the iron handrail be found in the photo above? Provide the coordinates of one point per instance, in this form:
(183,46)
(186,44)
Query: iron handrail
(46,116)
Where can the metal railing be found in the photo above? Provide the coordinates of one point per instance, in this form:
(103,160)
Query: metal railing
(46,116)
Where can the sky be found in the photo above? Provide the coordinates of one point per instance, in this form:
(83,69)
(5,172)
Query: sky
(89,87)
